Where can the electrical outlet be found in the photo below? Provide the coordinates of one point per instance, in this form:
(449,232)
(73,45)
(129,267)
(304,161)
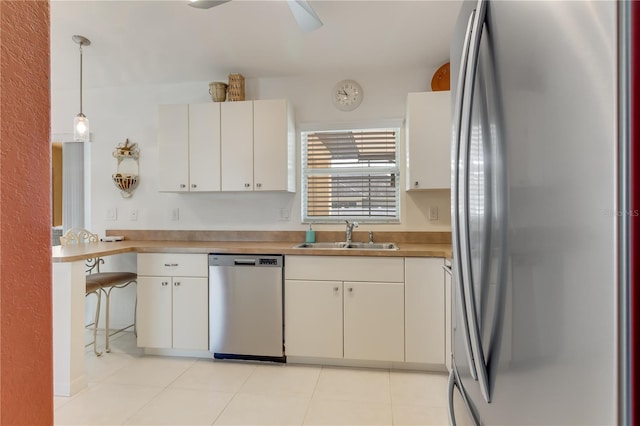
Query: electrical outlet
(111,214)
(433,213)
(175,214)
(284,214)
(133,214)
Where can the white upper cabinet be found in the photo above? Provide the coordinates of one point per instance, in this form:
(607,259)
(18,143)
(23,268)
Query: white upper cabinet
(258,146)
(173,147)
(204,147)
(428,140)
(273,146)
(237,146)
(230,146)
(189,147)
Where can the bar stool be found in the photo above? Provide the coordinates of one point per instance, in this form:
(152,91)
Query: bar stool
(99,283)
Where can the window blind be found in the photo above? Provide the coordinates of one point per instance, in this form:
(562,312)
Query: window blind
(350,174)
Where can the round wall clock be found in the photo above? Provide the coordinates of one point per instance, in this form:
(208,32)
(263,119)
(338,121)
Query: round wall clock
(347,95)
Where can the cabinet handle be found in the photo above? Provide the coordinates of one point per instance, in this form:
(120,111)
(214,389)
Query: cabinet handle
(182,185)
(247,185)
(193,185)
(350,289)
(416,184)
(177,283)
(164,283)
(259,185)
(170,265)
(336,289)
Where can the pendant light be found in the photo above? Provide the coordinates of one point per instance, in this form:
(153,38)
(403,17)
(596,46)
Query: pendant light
(81,122)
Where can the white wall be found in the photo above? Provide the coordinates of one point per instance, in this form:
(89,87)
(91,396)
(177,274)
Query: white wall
(131,112)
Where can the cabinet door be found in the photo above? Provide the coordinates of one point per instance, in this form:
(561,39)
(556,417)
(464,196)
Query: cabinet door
(374,321)
(173,147)
(204,147)
(236,123)
(271,145)
(153,316)
(190,313)
(424,310)
(313,318)
(428,140)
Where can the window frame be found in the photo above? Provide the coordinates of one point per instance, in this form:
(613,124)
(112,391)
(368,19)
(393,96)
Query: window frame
(394,169)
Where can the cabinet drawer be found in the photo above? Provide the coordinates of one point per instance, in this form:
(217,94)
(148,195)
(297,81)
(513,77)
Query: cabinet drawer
(173,264)
(345,268)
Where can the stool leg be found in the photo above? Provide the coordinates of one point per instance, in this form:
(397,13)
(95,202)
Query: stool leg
(135,316)
(95,325)
(106,325)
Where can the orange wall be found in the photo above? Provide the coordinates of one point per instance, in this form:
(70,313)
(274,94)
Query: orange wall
(26,358)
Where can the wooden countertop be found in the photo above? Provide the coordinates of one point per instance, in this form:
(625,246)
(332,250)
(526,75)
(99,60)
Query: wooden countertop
(87,250)
(411,244)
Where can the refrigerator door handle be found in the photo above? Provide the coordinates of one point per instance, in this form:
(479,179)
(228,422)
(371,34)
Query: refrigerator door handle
(451,384)
(457,265)
(465,139)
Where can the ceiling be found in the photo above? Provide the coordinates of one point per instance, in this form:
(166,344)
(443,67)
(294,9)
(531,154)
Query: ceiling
(160,42)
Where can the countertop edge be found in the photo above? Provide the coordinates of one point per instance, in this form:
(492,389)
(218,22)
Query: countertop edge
(89,250)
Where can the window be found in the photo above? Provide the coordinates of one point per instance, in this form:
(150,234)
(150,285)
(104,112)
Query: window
(350,174)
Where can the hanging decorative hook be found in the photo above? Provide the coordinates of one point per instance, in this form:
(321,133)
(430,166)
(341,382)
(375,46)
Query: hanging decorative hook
(126,176)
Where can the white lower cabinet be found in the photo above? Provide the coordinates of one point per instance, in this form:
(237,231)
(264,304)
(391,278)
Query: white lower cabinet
(335,307)
(313,318)
(424,310)
(173,310)
(374,321)
(388,309)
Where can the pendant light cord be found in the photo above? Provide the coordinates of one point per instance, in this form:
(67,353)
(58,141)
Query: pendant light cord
(80,77)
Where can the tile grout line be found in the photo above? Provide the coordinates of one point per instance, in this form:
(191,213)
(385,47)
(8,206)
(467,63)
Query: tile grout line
(313,394)
(391,399)
(235,393)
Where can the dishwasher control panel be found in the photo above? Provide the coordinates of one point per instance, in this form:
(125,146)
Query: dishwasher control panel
(259,260)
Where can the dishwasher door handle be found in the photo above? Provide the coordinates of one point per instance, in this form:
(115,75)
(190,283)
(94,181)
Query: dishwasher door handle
(244,262)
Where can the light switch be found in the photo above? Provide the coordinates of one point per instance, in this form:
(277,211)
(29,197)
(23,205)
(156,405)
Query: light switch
(133,214)
(433,213)
(111,214)
(175,214)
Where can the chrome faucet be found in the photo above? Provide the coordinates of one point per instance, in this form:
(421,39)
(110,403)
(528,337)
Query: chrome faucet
(350,226)
(370,237)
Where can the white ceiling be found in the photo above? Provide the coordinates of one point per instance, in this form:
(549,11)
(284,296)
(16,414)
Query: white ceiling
(138,42)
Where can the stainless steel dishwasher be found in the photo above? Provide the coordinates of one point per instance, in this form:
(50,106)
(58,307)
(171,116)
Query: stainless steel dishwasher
(246,307)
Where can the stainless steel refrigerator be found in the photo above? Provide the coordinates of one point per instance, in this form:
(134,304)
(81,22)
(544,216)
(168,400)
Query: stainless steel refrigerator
(536,206)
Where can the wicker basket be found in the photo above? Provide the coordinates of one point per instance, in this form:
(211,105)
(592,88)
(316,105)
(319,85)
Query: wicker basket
(125,183)
(235,91)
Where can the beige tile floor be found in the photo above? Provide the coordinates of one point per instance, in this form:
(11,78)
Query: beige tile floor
(128,388)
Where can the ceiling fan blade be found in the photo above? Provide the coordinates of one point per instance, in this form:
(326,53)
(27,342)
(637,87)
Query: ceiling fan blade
(206,4)
(304,15)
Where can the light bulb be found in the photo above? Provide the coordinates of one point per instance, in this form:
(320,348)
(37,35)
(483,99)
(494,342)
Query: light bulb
(80,128)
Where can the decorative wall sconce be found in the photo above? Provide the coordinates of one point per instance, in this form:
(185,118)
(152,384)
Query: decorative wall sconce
(126,178)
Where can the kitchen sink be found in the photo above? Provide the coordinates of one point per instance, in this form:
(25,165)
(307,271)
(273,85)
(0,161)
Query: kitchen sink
(372,246)
(351,246)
